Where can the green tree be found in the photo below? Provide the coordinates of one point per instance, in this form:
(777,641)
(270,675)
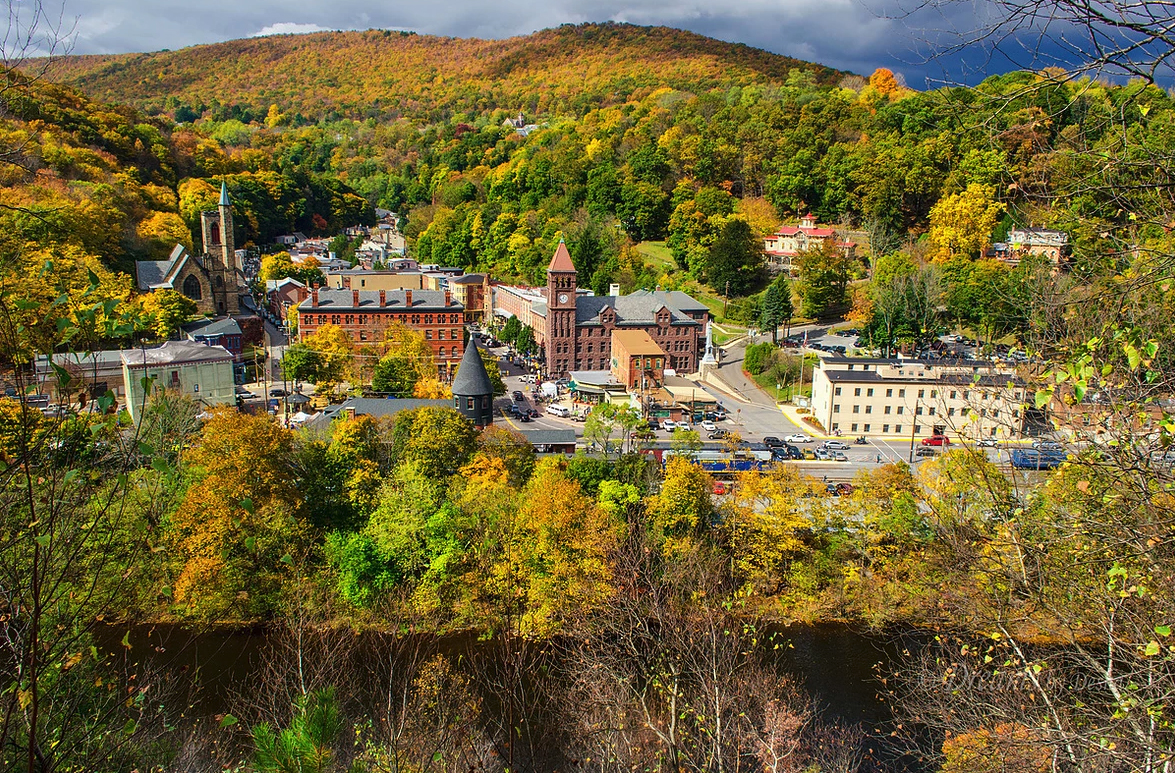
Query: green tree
(438,440)
(525,343)
(409,361)
(307,744)
(777,307)
(735,260)
(166,311)
(301,363)
(824,277)
(510,330)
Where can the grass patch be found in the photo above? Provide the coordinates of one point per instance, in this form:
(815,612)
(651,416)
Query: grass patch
(658,255)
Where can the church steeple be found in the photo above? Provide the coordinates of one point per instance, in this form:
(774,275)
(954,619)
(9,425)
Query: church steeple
(224,202)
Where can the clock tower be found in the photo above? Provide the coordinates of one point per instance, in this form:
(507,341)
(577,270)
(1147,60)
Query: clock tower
(560,313)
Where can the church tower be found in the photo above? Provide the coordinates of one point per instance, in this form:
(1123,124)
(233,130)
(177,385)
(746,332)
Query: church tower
(560,313)
(220,258)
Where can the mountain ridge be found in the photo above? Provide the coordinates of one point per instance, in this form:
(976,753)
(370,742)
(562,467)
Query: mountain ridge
(389,74)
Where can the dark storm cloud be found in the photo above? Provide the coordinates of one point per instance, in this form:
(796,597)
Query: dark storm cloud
(847,34)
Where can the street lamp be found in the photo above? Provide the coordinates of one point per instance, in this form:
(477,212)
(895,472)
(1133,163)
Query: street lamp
(913,428)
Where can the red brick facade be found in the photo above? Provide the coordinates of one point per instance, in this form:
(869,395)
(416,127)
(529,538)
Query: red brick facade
(366,314)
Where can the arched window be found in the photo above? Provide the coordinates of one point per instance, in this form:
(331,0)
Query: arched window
(215,233)
(192,288)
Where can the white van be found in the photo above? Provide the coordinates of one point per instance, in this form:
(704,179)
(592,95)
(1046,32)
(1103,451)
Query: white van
(561,411)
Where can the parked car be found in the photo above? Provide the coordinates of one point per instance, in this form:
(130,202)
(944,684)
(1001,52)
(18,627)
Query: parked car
(669,425)
(517,396)
(709,426)
(684,425)
(719,487)
(823,455)
(245,394)
(532,413)
(836,445)
(718,434)
(839,456)
(524,418)
(988,442)
(562,411)
(772,442)
(720,415)
(515,410)
(1047,445)
(792,452)
(936,440)
(926,451)
(844,489)
(278,392)
(797,438)
(653,424)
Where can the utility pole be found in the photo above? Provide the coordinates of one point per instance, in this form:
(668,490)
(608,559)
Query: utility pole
(913,428)
(725,298)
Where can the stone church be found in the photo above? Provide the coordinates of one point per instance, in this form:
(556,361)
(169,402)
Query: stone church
(211,279)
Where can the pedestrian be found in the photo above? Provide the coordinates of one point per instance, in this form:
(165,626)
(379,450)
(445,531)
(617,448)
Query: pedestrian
(879,458)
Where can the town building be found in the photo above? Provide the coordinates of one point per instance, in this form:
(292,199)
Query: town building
(473,394)
(366,314)
(637,361)
(789,241)
(211,280)
(906,398)
(203,373)
(474,293)
(91,373)
(283,294)
(579,328)
(1023,242)
(364,279)
(550,441)
(224,332)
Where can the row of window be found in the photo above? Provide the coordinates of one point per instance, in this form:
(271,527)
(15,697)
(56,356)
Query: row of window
(930,411)
(954,394)
(896,428)
(363,319)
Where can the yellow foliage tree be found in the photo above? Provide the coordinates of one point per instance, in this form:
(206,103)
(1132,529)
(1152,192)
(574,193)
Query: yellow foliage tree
(338,353)
(431,389)
(962,223)
(885,82)
(238,524)
(162,231)
(764,522)
(680,511)
(279,265)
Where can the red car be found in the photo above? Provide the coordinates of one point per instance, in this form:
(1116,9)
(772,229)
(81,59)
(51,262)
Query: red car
(936,440)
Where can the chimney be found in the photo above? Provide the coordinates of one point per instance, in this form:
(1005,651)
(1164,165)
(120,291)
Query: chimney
(448,298)
(349,412)
(314,298)
(408,298)
(383,298)
(355,299)
(613,290)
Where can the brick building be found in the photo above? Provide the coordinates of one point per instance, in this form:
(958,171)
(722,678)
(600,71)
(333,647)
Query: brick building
(637,361)
(365,314)
(579,328)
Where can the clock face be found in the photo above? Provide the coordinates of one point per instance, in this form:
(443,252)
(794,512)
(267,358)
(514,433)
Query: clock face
(562,297)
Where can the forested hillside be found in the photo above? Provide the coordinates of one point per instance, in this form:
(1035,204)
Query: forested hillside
(389,75)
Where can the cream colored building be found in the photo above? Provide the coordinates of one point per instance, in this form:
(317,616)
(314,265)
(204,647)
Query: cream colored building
(904,398)
(361,279)
(203,373)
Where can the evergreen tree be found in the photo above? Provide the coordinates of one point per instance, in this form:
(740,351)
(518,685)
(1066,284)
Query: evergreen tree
(735,257)
(777,306)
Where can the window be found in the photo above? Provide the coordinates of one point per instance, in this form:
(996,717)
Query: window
(857,392)
(427,335)
(952,394)
(836,408)
(850,366)
(967,395)
(965,411)
(868,409)
(889,393)
(885,428)
(853,428)
(950,411)
(362,335)
(934,393)
(918,410)
(901,393)
(865,428)
(995,413)
(856,409)
(932,410)
(898,428)
(901,410)
(836,391)
(868,392)
(469,403)
(921,392)
(917,429)
(835,427)
(485,402)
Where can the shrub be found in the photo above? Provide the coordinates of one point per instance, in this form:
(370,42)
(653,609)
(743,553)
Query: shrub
(759,357)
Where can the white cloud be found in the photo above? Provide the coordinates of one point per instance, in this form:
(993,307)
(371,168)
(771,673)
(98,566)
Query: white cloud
(287,28)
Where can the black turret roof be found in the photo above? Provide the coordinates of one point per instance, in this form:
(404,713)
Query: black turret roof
(471,379)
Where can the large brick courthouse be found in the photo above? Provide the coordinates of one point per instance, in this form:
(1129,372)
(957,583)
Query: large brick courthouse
(579,328)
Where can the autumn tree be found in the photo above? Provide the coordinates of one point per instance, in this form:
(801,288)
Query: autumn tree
(679,514)
(437,440)
(166,310)
(336,354)
(408,360)
(824,276)
(234,532)
(962,223)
